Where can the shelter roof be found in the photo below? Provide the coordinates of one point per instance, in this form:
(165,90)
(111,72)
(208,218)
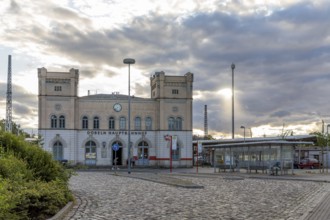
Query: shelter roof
(259,143)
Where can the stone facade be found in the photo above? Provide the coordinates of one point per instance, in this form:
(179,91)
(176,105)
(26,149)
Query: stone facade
(85,130)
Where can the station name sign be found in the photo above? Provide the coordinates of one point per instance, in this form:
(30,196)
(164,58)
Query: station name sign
(115,132)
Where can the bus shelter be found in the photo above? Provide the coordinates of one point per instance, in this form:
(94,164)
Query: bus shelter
(256,156)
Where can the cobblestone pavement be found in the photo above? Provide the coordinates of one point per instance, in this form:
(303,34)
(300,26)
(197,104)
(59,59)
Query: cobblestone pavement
(102,195)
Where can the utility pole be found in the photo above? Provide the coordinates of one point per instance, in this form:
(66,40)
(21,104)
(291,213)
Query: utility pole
(9,107)
(232,101)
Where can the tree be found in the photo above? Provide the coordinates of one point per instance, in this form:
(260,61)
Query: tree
(322,140)
(209,137)
(16,129)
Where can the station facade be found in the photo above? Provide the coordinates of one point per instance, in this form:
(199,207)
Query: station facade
(93,129)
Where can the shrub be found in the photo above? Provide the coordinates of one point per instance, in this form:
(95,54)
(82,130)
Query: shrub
(41,200)
(8,200)
(38,160)
(32,184)
(14,169)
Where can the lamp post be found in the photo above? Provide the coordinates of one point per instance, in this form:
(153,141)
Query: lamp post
(243,127)
(232,100)
(129,61)
(327,147)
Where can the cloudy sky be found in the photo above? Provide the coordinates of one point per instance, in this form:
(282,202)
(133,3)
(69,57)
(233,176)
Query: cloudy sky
(281,50)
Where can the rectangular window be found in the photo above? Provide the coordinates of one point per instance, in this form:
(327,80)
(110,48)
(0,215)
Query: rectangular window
(112,123)
(122,123)
(176,154)
(175,91)
(85,123)
(58,88)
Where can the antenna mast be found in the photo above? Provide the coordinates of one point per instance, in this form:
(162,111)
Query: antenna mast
(9,107)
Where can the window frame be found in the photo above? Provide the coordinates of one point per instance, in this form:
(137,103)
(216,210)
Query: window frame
(122,123)
(175,92)
(178,124)
(84,121)
(96,122)
(148,123)
(53,121)
(112,123)
(137,123)
(176,153)
(61,121)
(171,123)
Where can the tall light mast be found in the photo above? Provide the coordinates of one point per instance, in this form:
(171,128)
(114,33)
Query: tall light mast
(9,106)
(205,122)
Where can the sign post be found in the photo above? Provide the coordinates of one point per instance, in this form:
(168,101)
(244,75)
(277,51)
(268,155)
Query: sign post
(115,148)
(199,150)
(169,138)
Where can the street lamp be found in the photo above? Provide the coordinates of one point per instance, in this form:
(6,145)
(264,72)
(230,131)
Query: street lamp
(243,127)
(129,61)
(327,159)
(232,101)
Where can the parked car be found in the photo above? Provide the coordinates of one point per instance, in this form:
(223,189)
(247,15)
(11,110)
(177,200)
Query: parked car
(309,163)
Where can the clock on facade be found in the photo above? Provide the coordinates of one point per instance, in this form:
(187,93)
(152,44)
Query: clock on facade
(117,107)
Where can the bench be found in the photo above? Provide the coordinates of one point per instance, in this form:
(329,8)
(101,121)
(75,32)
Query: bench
(263,168)
(225,166)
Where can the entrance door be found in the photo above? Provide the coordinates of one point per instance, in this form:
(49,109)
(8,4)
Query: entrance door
(58,151)
(118,154)
(143,154)
(90,153)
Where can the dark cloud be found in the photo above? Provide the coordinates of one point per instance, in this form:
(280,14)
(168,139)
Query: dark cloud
(24,104)
(281,74)
(14,7)
(141,90)
(280,114)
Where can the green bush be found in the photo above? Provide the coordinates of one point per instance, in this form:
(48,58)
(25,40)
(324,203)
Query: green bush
(14,169)
(8,200)
(41,200)
(32,184)
(38,160)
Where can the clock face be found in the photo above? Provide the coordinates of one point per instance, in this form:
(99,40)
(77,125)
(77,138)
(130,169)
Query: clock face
(117,107)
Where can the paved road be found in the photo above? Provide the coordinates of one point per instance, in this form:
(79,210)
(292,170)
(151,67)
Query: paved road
(103,195)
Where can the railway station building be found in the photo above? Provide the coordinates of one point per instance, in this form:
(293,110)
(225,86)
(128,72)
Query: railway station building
(85,129)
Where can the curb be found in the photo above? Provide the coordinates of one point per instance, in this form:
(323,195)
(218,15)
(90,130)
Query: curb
(62,212)
(165,180)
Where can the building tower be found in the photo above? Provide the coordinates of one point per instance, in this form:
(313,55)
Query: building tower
(205,122)
(9,99)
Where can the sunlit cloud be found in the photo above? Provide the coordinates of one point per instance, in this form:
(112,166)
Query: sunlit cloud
(226,93)
(281,74)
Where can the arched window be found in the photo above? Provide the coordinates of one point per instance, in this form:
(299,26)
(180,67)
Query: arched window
(112,123)
(85,122)
(122,123)
(53,121)
(171,124)
(62,121)
(137,123)
(90,150)
(96,122)
(143,151)
(148,123)
(58,151)
(178,124)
